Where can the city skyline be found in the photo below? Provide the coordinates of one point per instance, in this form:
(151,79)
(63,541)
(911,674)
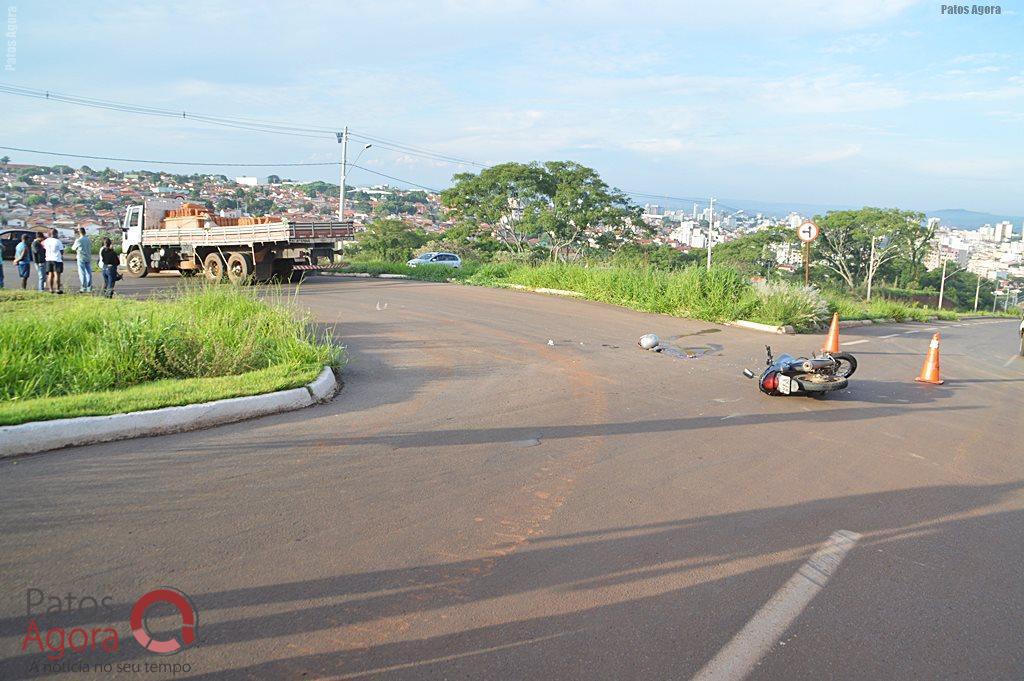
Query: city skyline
(853,104)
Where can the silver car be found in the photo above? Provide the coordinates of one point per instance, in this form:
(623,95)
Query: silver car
(446,259)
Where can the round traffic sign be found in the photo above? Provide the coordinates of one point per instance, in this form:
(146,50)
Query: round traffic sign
(807,232)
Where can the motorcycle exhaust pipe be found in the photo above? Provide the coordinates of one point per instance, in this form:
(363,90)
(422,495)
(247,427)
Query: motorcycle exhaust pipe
(816,364)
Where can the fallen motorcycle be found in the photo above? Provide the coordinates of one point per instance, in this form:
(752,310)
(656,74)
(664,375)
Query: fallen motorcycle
(815,375)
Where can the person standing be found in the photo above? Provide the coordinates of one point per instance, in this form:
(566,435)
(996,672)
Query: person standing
(109,260)
(39,258)
(83,250)
(23,259)
(54,262)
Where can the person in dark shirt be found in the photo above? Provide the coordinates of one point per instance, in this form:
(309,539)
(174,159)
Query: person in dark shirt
(39,258)
(110,261)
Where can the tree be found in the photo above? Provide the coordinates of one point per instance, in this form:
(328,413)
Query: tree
(558,200)
(390,240)
(844,246)
(754,253)
(580,199)
(34,200)
(507,198)
(5,159)
(273,179)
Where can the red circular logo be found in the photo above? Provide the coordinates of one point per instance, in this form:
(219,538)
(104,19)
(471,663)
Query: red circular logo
(189,621)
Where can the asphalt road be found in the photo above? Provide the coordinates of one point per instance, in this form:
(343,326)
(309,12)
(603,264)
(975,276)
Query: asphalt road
(507,487)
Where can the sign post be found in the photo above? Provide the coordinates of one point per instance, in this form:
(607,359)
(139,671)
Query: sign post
(807,232)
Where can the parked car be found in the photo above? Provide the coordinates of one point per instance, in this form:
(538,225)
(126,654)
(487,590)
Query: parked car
(446,259)
(1022,338)
(9,239)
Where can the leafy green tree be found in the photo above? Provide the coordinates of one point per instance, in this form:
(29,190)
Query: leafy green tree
(226,204)
(390,240)
(5,160)
(844,246)
(754,253)
(34,200)
(558,201)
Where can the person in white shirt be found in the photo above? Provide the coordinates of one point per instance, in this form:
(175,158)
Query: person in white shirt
(54,262)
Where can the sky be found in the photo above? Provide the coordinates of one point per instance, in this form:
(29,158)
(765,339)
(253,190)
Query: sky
(861,102)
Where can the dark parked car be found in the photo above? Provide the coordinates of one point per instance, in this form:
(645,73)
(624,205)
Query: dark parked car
(9,239)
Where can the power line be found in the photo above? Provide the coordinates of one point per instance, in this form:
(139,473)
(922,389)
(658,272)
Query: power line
(210,164)
(169,163)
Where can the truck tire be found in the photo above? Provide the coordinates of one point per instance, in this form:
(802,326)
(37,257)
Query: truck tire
(135,263)
(240,268)
(213,267)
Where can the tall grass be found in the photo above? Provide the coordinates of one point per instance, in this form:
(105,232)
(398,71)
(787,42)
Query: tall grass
(718,295)
(52,346)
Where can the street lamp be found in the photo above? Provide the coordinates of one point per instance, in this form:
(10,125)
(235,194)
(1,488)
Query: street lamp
(343,140)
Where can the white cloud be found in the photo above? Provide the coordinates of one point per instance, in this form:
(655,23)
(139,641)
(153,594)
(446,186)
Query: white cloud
(830,94)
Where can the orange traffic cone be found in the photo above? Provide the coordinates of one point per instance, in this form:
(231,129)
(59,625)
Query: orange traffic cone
(832,342)
(930,369)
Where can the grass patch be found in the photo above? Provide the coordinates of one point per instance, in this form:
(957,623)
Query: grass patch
(88,355)
(166,393)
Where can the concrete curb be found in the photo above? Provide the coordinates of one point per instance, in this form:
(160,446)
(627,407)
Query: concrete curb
(41,436)
(767,328)
(393,276)
(848,323)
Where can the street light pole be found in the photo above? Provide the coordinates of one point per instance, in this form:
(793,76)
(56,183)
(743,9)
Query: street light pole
(977,292)
(942,284)
(871,267)
(343,138)
(711,226)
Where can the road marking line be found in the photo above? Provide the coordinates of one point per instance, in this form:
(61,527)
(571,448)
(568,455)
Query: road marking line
(891,335)
(854,342)
(758,636)
(1010,361)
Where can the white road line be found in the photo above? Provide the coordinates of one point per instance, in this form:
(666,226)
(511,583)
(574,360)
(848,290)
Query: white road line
(862,340)
(758,636)
(1008,362)
(891,335)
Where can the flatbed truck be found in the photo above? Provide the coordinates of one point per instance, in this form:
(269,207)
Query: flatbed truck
(171,234)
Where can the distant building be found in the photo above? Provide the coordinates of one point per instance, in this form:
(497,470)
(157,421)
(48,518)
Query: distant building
(1003,231)
(248,181)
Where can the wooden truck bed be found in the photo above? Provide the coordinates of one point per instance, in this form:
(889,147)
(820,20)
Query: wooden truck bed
(274,232)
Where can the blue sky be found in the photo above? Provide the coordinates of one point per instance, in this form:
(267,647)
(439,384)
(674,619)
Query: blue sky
(864,103)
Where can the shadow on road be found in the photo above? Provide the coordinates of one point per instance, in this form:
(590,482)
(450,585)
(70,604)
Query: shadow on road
(698,577)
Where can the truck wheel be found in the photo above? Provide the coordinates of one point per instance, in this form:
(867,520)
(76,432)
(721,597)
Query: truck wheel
(213,267)
(135,263)
(239,268)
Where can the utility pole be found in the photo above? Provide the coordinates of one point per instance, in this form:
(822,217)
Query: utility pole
(942,285)
(871,269)
(711,225)
(977,292)
(343,139)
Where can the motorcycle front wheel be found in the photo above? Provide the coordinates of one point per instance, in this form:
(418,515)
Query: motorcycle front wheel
(847,364)
(817,384)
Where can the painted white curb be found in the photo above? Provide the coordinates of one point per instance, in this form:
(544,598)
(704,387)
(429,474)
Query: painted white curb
(767,328)
(41,436)
(393,276)
(559,292)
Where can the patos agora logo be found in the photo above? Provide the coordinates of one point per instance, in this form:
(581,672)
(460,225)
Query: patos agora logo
(56,640)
